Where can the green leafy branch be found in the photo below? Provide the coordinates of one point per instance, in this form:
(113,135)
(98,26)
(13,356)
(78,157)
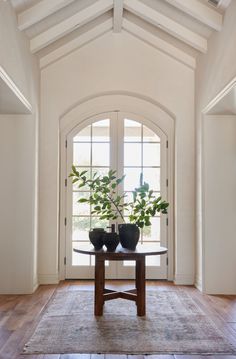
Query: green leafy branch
(109,205)
(105,201)
(145,205)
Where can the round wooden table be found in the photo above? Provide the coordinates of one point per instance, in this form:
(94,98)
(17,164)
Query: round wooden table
(138,294)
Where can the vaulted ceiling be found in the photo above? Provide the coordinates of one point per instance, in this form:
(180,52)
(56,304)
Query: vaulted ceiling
(180,28)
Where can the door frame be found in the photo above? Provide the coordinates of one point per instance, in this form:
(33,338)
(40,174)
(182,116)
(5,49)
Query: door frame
(154,115)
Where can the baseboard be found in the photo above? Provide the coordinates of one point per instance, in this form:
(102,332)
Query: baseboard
(35,287)
(184,279)
(48,279)
(198,283)
(17,291)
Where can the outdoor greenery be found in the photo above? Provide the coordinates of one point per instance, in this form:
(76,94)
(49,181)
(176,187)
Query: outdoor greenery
(108,204)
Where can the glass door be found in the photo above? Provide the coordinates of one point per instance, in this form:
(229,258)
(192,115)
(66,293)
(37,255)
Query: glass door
(144,152)
(131,146)
(89,147)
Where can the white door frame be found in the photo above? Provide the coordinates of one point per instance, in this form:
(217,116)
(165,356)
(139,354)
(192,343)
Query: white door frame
(155,115)
(210,109)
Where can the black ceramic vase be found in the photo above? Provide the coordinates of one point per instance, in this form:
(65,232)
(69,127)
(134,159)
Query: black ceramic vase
(111,241)
(96,237)
(129,235)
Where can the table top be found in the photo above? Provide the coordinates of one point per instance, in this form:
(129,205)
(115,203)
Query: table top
(120,252)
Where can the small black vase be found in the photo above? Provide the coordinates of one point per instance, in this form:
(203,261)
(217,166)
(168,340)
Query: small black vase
(111,241)
(129,235)
(96,237)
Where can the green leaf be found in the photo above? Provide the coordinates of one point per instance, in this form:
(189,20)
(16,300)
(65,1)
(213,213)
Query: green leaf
(74,169)
(146,186)
(83,173)
(147,222)
(141,179)
(83,200)
(150,193)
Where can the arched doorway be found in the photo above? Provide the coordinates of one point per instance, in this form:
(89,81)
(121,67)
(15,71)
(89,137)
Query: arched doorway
(131,145)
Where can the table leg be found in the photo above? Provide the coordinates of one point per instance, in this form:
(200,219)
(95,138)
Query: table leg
(141,286)
(99,285)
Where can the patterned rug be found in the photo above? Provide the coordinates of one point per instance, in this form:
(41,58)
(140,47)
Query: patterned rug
(173,324)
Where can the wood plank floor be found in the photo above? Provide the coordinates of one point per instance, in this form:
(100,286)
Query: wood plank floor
(19,314)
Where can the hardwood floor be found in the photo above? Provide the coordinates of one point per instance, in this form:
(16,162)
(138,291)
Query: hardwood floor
(19,314)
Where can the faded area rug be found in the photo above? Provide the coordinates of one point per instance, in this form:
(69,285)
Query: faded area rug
(173,324)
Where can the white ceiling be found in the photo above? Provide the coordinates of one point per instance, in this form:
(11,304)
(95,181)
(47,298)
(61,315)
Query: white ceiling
(180,28)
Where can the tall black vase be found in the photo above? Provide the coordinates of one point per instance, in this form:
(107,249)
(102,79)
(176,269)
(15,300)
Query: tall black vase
(129,235)
(96,237)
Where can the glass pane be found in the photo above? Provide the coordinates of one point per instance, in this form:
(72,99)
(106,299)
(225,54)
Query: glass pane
(98,223)
(101,131)
(80,228)
(151,154)
(101,154)
(132,178)
(79,259)
(152,233)
(152,177)
(149,135)
(84,135)
(81,154)
(153,261)
(100,171)
(132,131)
(132,154)
(80,208)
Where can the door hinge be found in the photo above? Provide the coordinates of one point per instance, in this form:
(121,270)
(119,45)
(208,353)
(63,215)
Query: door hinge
(65,143)
(65,221)
(64,260)
(167,261)
(66,182)
(167,221)
(167,144)
(167,182)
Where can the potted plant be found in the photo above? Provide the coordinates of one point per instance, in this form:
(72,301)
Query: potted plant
(108,204)
(105,202)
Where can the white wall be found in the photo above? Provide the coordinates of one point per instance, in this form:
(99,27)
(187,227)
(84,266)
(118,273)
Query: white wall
(18,161)
(219,174)
(116,62)
(14,55)
(214,72)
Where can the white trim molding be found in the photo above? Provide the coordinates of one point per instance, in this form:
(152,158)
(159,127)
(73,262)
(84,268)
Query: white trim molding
(13,87)
(198,283)
(125,102)
(184,279)
(48,278)
(220,96)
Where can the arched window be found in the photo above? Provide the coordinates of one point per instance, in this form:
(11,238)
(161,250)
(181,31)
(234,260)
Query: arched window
(131,146)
